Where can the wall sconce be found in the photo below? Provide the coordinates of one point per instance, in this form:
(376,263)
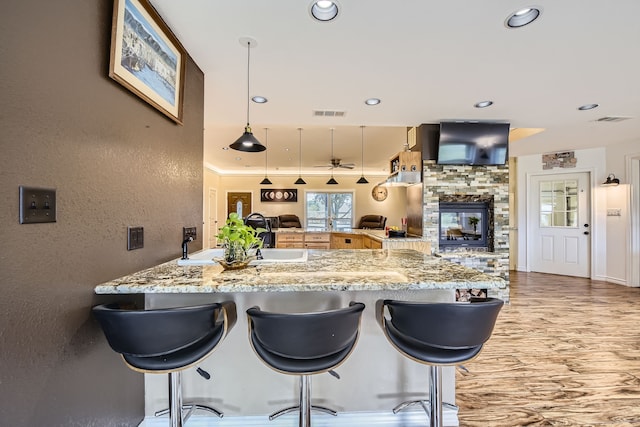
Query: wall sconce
(611,181)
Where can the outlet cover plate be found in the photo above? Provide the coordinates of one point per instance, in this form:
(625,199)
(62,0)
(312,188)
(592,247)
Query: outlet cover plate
(135,238)
(189,232)
(37,205)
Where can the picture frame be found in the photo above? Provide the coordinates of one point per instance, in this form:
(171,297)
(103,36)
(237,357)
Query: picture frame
(279,195)
(146,57)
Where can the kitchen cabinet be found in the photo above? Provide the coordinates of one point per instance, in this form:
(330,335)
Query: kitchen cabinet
(317,240)
(406,161)
(369,243)
(290,240)
(346,241)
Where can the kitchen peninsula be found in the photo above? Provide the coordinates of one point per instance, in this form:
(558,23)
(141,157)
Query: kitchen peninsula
(374,379)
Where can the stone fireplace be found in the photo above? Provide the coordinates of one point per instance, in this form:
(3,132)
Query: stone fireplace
(479,187)
(466,222)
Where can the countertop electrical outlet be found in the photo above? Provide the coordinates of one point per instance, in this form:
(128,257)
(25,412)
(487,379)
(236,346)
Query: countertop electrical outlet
(189,232)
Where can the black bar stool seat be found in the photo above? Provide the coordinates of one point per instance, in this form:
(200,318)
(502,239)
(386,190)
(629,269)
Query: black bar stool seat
(168,341)
(304,344)
(438,334)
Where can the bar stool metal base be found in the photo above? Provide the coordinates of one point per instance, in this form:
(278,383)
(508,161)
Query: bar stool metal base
(305,407)
(434,410)
(176,409)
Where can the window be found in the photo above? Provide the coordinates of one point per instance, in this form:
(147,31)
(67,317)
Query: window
(329,211)
(559,203)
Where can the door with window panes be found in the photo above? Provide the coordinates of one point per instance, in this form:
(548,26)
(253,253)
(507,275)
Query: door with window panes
(560,232)
(329,210)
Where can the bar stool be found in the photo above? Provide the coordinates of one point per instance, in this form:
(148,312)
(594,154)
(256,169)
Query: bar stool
(168,341)
(304,344)
(437,334)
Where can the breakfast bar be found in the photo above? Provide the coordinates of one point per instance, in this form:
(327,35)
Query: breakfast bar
(374,379)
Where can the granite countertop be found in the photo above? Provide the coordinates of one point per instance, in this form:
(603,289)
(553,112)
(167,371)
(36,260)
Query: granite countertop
(325,270)
(374,234)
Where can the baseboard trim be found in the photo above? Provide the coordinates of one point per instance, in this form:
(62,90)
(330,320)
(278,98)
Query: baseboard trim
(344,419)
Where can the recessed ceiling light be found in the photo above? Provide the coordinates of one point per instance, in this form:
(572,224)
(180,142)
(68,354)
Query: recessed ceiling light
(225,148)
(483,104)
(588,107)
(259,99)
(372,101)
(523,17)
(238,158)
(323,10)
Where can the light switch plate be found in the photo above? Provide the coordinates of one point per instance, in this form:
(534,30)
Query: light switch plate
(614,212)
(135,238)
(37,205)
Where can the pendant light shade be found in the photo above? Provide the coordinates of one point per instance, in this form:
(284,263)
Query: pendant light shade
(362,179)
(332,181)
(300,181)
(266,180)
(247,142)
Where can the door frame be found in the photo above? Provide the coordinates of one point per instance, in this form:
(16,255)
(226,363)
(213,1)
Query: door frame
(592,212)
(633,178)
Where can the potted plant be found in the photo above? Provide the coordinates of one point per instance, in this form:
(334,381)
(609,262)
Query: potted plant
(239,242)
(473,221)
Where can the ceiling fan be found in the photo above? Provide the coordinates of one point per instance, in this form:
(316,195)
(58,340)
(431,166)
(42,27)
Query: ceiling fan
(336,163)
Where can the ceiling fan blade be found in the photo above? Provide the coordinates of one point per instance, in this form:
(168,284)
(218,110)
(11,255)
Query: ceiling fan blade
(347,166)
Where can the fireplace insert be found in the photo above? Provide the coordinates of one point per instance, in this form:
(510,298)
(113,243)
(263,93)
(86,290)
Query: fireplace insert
(463,224)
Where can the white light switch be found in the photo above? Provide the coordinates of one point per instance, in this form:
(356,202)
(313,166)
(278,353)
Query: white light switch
(614,212)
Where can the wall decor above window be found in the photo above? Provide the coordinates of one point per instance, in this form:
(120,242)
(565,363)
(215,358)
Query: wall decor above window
(278,195)
(146,57)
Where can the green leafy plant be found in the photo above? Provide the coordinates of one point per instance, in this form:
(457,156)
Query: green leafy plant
(239,241)
(473,221)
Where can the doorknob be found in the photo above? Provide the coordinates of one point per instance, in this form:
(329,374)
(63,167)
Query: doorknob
(586,225)
(586,233)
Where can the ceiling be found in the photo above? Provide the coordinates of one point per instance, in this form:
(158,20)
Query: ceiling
(427,61)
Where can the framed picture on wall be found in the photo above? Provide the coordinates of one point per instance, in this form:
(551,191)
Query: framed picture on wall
(279,195)
(146,57)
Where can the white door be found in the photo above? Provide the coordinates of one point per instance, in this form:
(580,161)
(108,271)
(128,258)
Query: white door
(560,227)
(212,218)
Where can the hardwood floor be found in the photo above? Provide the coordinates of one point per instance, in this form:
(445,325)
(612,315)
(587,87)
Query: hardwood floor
(564,352)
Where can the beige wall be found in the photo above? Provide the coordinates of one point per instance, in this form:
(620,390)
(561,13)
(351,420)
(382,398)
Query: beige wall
(394,207)
(115,162)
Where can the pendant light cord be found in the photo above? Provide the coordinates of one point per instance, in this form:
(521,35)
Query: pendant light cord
(248,68)
(362,148)
(300,154)
(266,155)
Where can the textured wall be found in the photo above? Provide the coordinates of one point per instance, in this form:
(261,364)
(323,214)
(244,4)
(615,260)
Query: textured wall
(115,162)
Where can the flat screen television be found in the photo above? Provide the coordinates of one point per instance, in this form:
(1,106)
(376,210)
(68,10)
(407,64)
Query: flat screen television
(477,143)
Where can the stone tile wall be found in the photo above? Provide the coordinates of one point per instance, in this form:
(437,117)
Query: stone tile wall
(447,182)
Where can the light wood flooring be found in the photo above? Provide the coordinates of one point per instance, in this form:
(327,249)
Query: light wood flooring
(564,352)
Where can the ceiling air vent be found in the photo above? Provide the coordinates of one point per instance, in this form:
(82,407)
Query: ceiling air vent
(328,113)
(612,119)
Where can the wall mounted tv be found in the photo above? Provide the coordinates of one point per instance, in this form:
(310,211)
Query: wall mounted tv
(473,143)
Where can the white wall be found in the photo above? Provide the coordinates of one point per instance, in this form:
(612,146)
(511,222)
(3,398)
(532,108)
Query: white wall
(592,161)
(620,247)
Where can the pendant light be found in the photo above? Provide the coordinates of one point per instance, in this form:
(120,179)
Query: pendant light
(362,179)
(247,142)
(266,180)
(300,181)
(332,181)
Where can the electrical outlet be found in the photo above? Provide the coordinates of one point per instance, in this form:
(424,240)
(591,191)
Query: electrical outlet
(37,205)
(189,232)
(135,238)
